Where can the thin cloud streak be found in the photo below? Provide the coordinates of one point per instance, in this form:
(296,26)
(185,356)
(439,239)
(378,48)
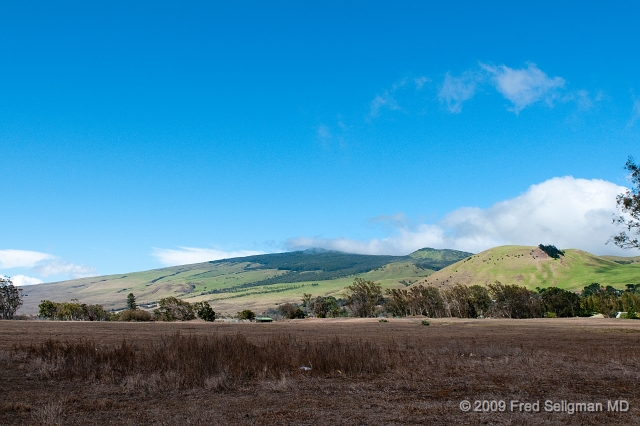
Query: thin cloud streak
(21,258)
(188,255)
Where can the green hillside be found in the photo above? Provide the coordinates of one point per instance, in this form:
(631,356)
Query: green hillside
(252,282)
(531,267)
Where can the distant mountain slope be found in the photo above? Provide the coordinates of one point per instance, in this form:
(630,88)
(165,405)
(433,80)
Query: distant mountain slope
(531,267)
(252,281)
(438,259)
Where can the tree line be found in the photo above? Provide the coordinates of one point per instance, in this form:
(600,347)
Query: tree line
(367,299)
(169,309)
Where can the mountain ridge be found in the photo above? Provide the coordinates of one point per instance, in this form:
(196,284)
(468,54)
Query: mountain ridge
(247,279)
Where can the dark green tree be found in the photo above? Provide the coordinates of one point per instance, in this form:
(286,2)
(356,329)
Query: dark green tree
(397,302)
(290,311)
(131,302)
(591,289)
(204,311)
(480,300)
(47,309)
(559,302)
(246,315)
(363,296)
(513,301)
(551,250)
(10,298)
(326,306)
(629,205)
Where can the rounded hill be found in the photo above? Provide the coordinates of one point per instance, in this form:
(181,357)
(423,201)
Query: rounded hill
(532,267)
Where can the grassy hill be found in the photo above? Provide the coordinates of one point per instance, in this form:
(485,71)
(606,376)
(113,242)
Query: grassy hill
(252,282)
(531,267)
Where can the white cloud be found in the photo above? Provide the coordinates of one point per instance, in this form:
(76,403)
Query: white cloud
(564,211)
(186,255)
(21,258)
(455,90)
(525,86)
(45,264)
(22,280)
(60,267)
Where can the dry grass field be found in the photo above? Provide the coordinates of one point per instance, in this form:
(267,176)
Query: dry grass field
(363,372)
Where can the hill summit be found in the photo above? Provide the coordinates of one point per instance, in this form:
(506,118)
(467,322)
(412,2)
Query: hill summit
(533,267)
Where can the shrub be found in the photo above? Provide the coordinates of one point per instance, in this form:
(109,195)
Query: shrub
(324,306)
(425,322)
(290,311)
(134,315)
(172,309)
(246,315)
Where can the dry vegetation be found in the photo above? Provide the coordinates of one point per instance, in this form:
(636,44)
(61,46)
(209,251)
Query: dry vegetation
(362,371)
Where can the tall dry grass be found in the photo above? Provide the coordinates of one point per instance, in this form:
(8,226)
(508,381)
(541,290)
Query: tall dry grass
(178,362)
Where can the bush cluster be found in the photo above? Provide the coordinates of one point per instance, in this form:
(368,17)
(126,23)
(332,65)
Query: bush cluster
(174,309)
(73,311)
(169,309)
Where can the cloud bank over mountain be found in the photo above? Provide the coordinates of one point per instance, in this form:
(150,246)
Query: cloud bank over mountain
(187,255)
(564,211)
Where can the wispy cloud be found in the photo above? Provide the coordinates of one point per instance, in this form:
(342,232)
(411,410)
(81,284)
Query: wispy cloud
(61,267)
(635,112)
(455,90)
(324,132)
(386,99)
(564,211)
(420,82)
(525,86)
(187,255)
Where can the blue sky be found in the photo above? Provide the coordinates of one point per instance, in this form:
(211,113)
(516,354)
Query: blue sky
(135,135)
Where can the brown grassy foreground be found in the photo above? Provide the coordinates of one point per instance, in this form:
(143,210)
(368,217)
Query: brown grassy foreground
(362,371)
